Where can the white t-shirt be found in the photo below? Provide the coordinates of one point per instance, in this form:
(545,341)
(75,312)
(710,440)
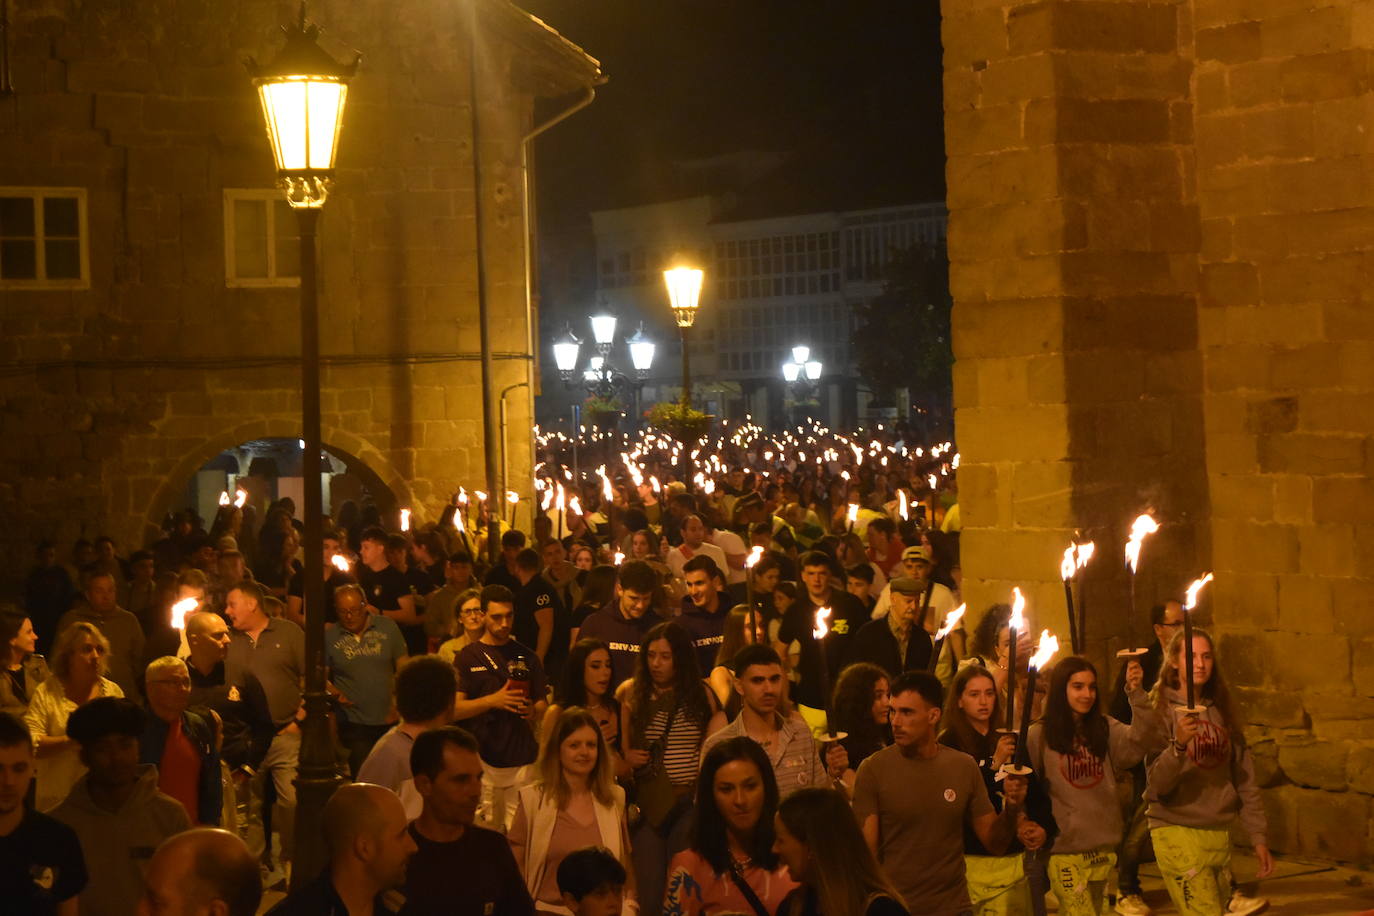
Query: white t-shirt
(678,557)
(733,546)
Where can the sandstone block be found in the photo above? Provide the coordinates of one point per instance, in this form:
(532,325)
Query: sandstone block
(1315,764)
(1275,709)
(1359,769)
(1230,44)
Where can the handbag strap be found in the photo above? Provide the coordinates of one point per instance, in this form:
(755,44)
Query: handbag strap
(661,743)
(746,890)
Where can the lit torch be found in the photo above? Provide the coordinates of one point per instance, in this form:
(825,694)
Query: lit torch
(1014,626)
(341,563)
(1044,651)
(821,630)
(851,515)
(951,621)
(240,497)
(1141,528)
(181,609)
(224,497)
(749,563)
(405,519)
(1189,604)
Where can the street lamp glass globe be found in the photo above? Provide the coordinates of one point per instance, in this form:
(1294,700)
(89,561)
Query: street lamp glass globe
(684,293)
(641,352)
(565,351)
(597,363)
(813,369)
(790,371)
(801,354)
(603,329)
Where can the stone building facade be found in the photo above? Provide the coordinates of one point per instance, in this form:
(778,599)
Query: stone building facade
(171,335)
(1160,236)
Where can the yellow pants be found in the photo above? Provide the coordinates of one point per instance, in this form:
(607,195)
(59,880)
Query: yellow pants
(1079,880)
(1196,865)
(997,885)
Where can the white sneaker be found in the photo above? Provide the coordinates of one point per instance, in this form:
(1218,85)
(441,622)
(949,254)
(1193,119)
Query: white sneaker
(1132,905)
(1243,904)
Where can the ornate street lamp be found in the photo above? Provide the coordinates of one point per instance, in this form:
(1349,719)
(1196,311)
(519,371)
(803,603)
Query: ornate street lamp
(303,91)
(684,297)
(641,353)
(801,374)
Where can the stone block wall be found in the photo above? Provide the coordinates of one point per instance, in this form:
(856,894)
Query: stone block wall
(112,396)
(1160,230)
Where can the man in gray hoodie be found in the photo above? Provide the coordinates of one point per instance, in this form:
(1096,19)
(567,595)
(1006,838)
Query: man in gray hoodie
(116,810)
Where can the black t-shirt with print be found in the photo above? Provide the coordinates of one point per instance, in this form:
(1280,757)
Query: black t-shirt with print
(40,866)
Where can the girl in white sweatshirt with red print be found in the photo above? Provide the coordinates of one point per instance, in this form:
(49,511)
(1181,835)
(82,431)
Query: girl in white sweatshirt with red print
(1200,783)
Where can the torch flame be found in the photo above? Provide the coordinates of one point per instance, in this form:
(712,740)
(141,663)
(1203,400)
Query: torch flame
(574,505)
(1085,553)
(901,505)
(405,519)
(462,496)
(181,609)
(931,479)
(606,491)
(1048,646)
(512,497)
(653,482)
(1141,528)
(548,499)
(709,486)
(852,513)
(1018,607)
(480,495)
(1194,590)
(753,557)
(619,558)
(240,497)
(951,621)
(224,498)
(1069,563)
(340,562)
(458,522)
(822,622)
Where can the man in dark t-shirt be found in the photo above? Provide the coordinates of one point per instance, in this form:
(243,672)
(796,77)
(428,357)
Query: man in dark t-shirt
(846,616)
(500,706)
(624,624)
(41,866)
(388,592)
(541,619)
(452,851)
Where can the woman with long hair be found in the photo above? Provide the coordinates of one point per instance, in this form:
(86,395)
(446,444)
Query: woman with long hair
(666,709)
(574,803)
(1077,750)
(586,683)
(860,710)
(1201,783)
(766,574)
(820,843)
(997,885)
(78,669)
(471,622)
(736,636)
(731,866)
(24,670)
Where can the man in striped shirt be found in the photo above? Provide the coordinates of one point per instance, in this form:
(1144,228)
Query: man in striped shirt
(787,741)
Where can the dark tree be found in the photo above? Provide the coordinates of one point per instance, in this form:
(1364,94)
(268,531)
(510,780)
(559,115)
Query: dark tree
(903,340)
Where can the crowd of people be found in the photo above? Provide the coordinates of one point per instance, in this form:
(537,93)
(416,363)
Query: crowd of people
(674,693)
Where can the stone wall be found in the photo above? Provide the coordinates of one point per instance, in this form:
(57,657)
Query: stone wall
(112,396)
(1159,235)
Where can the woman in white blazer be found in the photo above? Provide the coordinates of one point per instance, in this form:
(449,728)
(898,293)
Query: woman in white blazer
(574,803)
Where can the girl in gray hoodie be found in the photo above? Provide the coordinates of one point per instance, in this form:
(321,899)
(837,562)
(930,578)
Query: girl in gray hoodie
(1076,751)
(1202,781)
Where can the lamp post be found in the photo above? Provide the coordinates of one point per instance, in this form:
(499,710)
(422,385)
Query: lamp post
(801,375)
(684,297)
(302,92)
(600,377)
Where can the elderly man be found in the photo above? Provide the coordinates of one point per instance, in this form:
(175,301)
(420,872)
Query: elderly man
(940,600)
(369,847)
(181,743)
(271,649)
(120,627)
(202,871)
(894,642)
(363,651)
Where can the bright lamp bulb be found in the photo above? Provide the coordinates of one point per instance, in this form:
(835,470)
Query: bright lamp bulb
(603,328)
(801,354)
(790,371)
(642,353)
(813,369)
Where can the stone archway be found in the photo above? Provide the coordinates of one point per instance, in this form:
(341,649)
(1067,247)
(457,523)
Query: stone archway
(358,455)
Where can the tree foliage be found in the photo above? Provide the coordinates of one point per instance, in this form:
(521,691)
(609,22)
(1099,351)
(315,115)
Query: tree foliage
(903,339)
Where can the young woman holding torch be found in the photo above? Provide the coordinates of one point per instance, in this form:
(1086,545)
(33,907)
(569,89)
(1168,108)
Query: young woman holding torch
(1201,782)
(1077,750)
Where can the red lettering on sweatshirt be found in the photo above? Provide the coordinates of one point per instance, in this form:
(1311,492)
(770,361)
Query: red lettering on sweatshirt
(1082,769)
(1211,747)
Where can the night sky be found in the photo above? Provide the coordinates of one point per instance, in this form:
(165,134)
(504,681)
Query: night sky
(851,90)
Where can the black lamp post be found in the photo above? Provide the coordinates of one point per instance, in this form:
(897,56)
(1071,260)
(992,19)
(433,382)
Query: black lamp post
(303,91)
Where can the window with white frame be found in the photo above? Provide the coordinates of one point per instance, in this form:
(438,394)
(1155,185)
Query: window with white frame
(43,238)
(261,239)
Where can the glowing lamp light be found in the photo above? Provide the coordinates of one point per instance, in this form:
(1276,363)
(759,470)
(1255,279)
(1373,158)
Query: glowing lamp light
(791,372)
(800,354)
(565,350)
(181,609)
(641,352)
(603,331)
(303,91)
(813,369)
(684,293)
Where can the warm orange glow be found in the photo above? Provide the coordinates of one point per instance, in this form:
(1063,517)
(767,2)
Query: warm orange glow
(822,622)
(1141,528)
(1048,646)
(951,621)
(1194,590)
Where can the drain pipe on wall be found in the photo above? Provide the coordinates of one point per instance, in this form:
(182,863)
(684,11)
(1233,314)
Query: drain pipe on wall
(505,470)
